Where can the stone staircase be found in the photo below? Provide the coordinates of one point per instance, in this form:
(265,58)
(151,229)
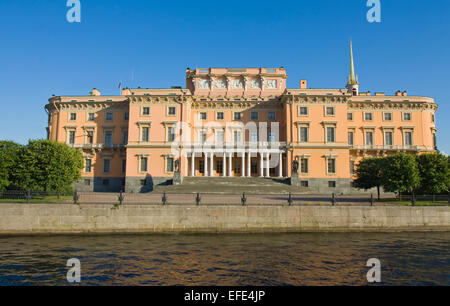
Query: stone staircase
(233,185)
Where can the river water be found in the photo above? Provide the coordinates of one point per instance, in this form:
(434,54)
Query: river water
(407,258)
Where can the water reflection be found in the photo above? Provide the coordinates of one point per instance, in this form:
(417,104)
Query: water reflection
(276,259)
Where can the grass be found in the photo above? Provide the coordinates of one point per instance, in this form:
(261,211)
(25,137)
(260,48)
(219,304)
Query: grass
(418,203)
(45,200)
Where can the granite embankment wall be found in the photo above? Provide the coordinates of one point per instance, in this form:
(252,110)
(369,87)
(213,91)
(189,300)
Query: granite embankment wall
(102,218)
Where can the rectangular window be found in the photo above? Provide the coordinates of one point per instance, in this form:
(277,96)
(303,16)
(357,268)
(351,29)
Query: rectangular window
(108,137)
(202,116)
(352,167)
(124,165)
(350,138)
(271,136)
(387,116)
(106,165)
(144,164)
(254,115)
(406,116)
(369,138)
(169,164)
(73,116)
(125,137)
(237,116)
(220,116)
(170,133)
(237,136)
(304,184)
(254,167)
(88,165)
(145,134)
(350,116)
(91,117)
(408,139)
(432,118)
(71,137)
(388,139)
(219,136)
(202,136)
(109,116)
(253,136)
(332,184)
(145,111)
(219,167)
(331,134)
(271,116)
(331,166)
(304,134)
(329,111)
(87,182)
(303,111)
(368,116)
(172,111)
(304,165)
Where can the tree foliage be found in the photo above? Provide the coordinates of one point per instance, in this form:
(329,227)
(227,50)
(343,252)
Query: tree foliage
(434,172)
(369,174)
(400,173)
(8,157)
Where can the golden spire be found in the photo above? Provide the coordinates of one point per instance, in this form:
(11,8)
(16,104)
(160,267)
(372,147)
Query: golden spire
(352,79)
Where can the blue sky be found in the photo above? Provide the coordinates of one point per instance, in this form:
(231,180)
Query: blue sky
(150,44)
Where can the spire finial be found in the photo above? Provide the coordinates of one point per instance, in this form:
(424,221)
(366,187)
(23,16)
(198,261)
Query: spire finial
(352,80)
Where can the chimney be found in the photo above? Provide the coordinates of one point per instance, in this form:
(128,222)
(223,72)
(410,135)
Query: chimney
(96,92)
(302,84)
(404,93)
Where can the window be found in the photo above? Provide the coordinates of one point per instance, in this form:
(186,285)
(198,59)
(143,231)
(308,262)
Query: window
(329,111)
(171,111)
(108,137)
(331,166)
(73,117)
(350,138)
(254,167)
(91,116)
(202,136)
(237,116)
(125,137)
(71,137)
(253,136)
(303,111)
(304,134)
(219,167)
(304,165)
(170,133)
(219,136)
(368,116)
(350,116)
(169,164)
(331,134)
(106,165)
(109,116)
(270,136)
(271,116)
(408,138)
(432,118)
(88,165)
(332,184)
(124,165)
(237,136)
(90,137)
(220,116)
(145,134)
(145,111)
(369,138)
(304,184)
(387,116)
(352,167)
(388,138)
(143,164)
(87,182)
(202,116)
(254,115)
(126,116)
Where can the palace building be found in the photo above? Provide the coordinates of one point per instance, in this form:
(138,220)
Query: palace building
(238,122)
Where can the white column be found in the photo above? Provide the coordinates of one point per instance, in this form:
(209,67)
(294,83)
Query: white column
(267,165)
(261,162)
(211,165)
(243,164)
(224,164)
(192,164)
(230,163)
(280,165)
(205,165)
(249,155)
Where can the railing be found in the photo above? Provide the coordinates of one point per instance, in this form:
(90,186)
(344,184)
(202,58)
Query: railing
(98,146)
(386,147)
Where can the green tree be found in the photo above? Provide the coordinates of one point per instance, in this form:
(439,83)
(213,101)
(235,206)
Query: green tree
(369,174)
(8,158)
(400,173)
(48,165)
(434,173)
